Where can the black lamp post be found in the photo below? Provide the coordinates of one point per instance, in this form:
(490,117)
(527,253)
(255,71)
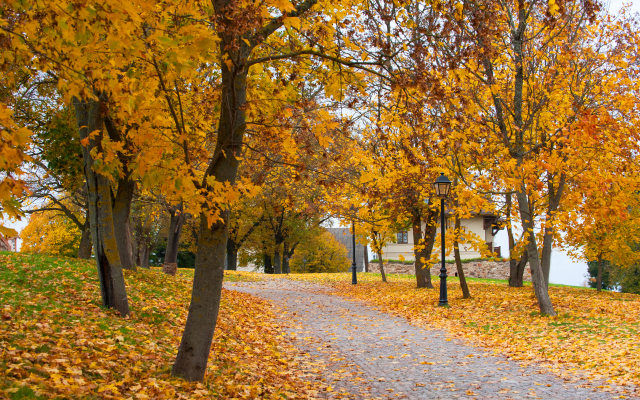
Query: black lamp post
(354,276)
(442,185)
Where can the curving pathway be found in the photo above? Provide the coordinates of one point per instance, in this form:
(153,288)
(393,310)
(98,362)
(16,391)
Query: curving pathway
(370,354)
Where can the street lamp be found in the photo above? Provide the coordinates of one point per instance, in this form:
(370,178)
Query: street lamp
(442,185)
(354,276)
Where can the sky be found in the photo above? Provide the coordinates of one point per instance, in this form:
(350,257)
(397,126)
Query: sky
(615,5)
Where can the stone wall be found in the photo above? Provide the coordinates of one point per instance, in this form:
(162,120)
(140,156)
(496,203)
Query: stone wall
(473,269)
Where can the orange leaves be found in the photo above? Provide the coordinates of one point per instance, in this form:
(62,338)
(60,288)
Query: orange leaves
(553,8)
(56,340)
(14,140)
(283,5)
(50,233)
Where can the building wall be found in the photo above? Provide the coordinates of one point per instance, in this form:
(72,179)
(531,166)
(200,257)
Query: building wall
(8,244)
(475,225)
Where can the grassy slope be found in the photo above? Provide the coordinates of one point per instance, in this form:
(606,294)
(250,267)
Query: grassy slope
(594,332)
(56,340)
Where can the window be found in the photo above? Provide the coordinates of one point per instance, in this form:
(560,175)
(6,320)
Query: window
(403,237)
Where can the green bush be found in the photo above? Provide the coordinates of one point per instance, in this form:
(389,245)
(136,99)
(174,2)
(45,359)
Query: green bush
(624,279)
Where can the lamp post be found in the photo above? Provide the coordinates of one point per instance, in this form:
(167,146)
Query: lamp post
(442,185)
(354,276)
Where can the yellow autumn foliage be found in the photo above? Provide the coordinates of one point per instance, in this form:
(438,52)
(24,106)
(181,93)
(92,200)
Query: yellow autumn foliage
(50,233)
(13,142)
(321,254)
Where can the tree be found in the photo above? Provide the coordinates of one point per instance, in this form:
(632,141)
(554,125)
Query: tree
(626,278)
(91,85)
(242,32)
(49,232)
(377,240)
(56,175)
(541,94)
(243,221)
(147,223)
(177,219)
(320,253)
(599,274)
(607,226)
(516,267)
(456,253)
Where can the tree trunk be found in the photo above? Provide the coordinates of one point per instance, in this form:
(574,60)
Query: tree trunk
(518,278)
(456,254)
(276,265)
(144,242)
(285,258)
(195,345)
(513,271)
(513,263)
(191,362)
(112,286)
(516,267)
(121,224)
(545,259)
(84,250)
(381,263)
(145,251)
(423,273)
(554,194)
(366,259)
(600,269)
(173,238)
(232,255)
(135,244)
(122,200)
(137,237)
(540,286)
(268,266)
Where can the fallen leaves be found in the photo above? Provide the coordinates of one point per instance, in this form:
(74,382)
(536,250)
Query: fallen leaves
(56,340)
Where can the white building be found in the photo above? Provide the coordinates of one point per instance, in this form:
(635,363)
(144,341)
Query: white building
(483,225)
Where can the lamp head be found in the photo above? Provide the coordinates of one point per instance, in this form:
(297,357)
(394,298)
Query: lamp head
(442,186)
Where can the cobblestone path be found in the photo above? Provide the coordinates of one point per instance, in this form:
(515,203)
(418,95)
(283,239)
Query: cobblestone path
(370,354)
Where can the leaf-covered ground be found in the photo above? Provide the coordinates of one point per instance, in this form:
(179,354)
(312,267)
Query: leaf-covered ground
(594,333)
(56,341)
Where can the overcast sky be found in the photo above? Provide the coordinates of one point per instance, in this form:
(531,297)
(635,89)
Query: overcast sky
(615,5)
